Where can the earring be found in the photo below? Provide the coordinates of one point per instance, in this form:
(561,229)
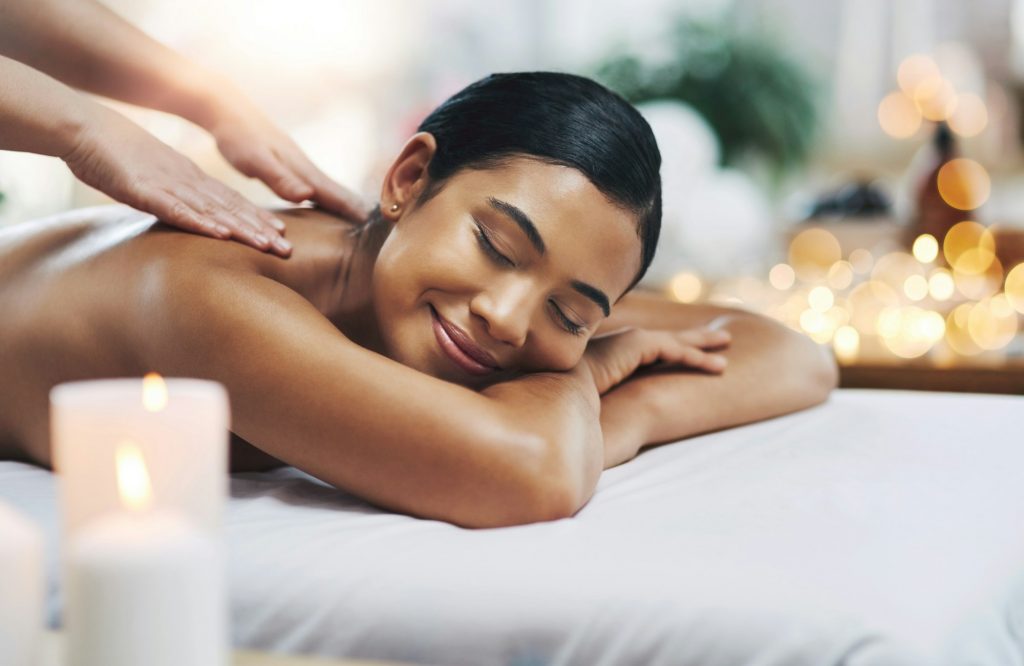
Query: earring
(394,208)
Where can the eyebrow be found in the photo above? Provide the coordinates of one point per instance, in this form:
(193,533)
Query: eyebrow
(530,229)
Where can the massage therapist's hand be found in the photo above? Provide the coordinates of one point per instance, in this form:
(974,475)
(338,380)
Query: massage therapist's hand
(257,148)
(119,158)
(614,357)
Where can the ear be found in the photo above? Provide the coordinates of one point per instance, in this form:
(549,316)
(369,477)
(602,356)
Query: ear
(407,176)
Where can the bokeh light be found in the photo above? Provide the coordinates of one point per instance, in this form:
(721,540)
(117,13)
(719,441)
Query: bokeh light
(861,261)
(916,287)
(977,285)
(957,335)
(910,331)
(782,276)
(1014,288)
(992,322)
(840,275)
(914,71)
(964,184)
(898,116)
(940,284)
(935,98)
(970,117)
(812,252)
(964,236)
(686,287)
(846,343)
(925,248)
(820,298)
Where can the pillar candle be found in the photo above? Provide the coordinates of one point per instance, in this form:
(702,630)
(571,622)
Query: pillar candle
(145,588)
(21,589)
(179,425)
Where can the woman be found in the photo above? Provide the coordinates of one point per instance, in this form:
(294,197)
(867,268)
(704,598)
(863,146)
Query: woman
(443,360)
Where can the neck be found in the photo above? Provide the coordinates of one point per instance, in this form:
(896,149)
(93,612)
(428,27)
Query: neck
(332,268)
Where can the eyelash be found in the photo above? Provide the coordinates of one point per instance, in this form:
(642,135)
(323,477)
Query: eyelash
(484,240)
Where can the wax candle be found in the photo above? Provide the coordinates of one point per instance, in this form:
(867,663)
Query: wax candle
(21,589)
(180,426)
(145,585)
(145,589)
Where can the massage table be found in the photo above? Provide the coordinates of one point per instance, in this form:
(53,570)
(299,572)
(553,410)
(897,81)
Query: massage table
(881,528)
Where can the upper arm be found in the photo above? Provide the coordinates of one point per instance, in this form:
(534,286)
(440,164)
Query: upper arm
(307,395)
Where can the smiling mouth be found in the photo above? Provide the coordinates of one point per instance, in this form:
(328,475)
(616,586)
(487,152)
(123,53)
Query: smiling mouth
(446,336)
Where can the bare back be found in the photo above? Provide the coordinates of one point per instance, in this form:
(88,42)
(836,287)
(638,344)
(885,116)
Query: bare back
(80,298)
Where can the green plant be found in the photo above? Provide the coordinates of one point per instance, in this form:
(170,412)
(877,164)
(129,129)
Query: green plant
(760,100)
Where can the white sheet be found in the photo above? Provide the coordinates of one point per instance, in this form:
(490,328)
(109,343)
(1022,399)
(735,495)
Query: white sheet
(879,529)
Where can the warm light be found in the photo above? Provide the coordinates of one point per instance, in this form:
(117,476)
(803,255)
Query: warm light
(132,477)
(956,331)
(154,392)
(812,252)
(964,184)
(977,285)
(861,261)
(935,98)
(686,287)
(1014,288)
(915,287)
(940,284)
(970,116)
(866,302)
(915,70)
(894,269)
(782,276)
(926,248)
(898,115)
(964,236)
(840,275)
(846,343)
(820,298)
(992,323)
(910,331)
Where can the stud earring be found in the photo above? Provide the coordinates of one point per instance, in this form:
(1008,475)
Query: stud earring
(394,208)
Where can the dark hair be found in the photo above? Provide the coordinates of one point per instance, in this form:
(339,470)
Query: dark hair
(560,119)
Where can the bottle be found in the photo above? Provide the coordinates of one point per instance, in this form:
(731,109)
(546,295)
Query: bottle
(931,214)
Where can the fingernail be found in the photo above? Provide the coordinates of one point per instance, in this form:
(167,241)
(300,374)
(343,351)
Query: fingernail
(278,224)
(224,231)
(261,239)
(282,244)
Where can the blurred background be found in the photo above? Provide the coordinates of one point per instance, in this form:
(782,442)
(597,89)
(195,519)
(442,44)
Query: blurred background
(850,168)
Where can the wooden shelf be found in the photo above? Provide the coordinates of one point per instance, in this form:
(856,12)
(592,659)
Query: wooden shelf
(1004,378)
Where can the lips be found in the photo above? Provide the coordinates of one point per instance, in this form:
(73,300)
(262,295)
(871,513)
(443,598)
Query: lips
(460,348)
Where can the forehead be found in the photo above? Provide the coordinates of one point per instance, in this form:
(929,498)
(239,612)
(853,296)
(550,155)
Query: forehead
(588,237)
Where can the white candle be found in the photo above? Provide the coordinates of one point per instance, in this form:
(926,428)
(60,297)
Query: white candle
(21,589)
(180,426)
(145,588)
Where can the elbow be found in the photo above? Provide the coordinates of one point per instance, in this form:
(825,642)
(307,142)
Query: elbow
(822,372)
(536,490)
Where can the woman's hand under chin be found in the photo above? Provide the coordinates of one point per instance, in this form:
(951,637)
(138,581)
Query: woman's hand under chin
(612,360)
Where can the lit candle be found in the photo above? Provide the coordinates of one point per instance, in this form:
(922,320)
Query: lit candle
(180,425)
(145,586)
(21,589)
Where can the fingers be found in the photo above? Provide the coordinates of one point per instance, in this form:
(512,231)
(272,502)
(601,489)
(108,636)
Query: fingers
(293,177)
(212,209)
(688,347)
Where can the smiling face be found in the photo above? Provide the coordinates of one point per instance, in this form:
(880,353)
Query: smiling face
(513,264)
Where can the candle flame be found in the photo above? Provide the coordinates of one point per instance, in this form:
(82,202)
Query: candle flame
(132,477)
(154,392)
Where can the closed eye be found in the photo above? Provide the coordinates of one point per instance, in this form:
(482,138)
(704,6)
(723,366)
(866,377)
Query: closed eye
(488,247)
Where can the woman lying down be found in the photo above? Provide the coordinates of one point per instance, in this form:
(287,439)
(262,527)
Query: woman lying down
(472,353)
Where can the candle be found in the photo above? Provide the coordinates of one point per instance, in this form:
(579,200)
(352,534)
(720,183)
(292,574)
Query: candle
(145,585)
(21,589)
(180,427)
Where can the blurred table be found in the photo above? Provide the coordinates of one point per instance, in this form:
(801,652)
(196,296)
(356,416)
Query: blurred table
(926,375)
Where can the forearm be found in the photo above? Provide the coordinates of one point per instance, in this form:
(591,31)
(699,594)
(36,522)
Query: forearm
(37,113)
(87,46)
(772,371)
(563,410)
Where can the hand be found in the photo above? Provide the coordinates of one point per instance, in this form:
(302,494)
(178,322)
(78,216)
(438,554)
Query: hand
(122,160)
(254,146)
(614,357)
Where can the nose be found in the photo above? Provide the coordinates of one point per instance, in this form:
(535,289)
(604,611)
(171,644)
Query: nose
(506,309)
